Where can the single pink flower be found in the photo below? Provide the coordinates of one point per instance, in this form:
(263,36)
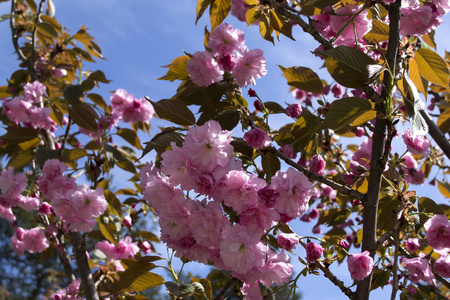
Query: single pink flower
(442,266)
(438,232)
(294,110)
(250,65)
(313,251)
(288,241)
(317,164)
(419,269)
(416,145)
(257,138)
(224,40)
(203,69)
(360,265)
(412,244)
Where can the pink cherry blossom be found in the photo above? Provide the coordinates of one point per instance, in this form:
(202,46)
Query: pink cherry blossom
(295,192)
(410,167)
(268,196)
(438,232)
(419,269)
(250,65)
(208,146)
(360,25)
(203,69)
(257,138)
(288,241)
(33,240)
(277,269)
(418,20)
(317,164)
(412,244)
(294,110)
(58,73)
(442,266)
(240,253)
(313,251)
(12,185)
(53,168)
(224,40)
(288,150)
(123,249)
(140,110)
(239,9)
(360,265)
(34,91)
(416,145)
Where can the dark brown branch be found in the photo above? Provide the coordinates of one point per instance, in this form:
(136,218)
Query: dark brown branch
(65,261)
(378,162)
(337,282)
(313,176)
(87,282)
(436,133)
(15,33)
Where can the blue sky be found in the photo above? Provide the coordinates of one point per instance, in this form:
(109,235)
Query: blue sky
(138,37)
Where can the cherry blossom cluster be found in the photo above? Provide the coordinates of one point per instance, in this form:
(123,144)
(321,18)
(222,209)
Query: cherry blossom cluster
(198,229)
(26,108)
(75,205)
(124,107)
(228,54)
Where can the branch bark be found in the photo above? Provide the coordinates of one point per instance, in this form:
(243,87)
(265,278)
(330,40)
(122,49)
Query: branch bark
(79,246)
(377,164)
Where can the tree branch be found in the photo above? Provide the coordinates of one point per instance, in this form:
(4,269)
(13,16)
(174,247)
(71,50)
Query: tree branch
(436,133)
(79,246)
(15,33)
(377,164)
(337,282)
(313,176)
(225,288)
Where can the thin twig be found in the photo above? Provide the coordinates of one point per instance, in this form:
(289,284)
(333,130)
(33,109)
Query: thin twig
(15,33)
(32,59)
(395,267)
(328,274)
(313,176)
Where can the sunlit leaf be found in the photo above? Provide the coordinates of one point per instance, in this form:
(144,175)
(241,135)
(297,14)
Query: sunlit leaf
(177,69)
(303,78)
(420,83)
(72,154)
(136,271)
(218,11)
(444,188)
(130,136)
(378,33)
(429,39)
(202,5)
(429,206)
(344,111)
(18,135)
(98,76)
(84,116)
(432,67)
(265,28)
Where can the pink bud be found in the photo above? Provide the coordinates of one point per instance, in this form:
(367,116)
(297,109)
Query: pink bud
(257,104)
(359,131)
(20,233)
(337,90)
(317,164)
(305,218)
(127,222)
(412,244)
(252,93)
(326,90)
(288,150)
(257,138)
(313,251)
(45,208)
(294,110)
(317,230)
(288,241)
(314,213)
(146,247)
(344,244)
(58,73)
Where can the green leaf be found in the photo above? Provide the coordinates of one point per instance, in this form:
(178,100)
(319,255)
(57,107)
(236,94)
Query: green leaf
(274,108)
(281,24)
(174,111)
(348,66)
(419,82)
(429,206)
(270,163)
(241,147)
(177,69)
(18,135)
(218,11)
(202,5)
(44,154)
(340,217)
(136,271)
(73,93)
(87,85)
(228,119)
(5,17)
(432,67)
(114,205)
(149,236)
(378,33)
(429,39)
(252,15)
(98,76)
(84,116)
(303,78)
(130,136)
(108,230)
(72,155)
(344,111)
(162,140)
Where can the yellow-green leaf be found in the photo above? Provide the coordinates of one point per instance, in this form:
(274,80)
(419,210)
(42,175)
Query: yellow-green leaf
(132,274)
(202,5)
(218,11)
(19,134)
(420,83)
(21,159)
(72,155)
(108,230)
(303,78)
(281,24)
(84,116)
(47,29)
(378,33)
(177,69)
(265,28)
(348,66)
(252,15)
(429,206)
(206,286)
(444,188)
(443,121)
(432,67)
(429,39)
